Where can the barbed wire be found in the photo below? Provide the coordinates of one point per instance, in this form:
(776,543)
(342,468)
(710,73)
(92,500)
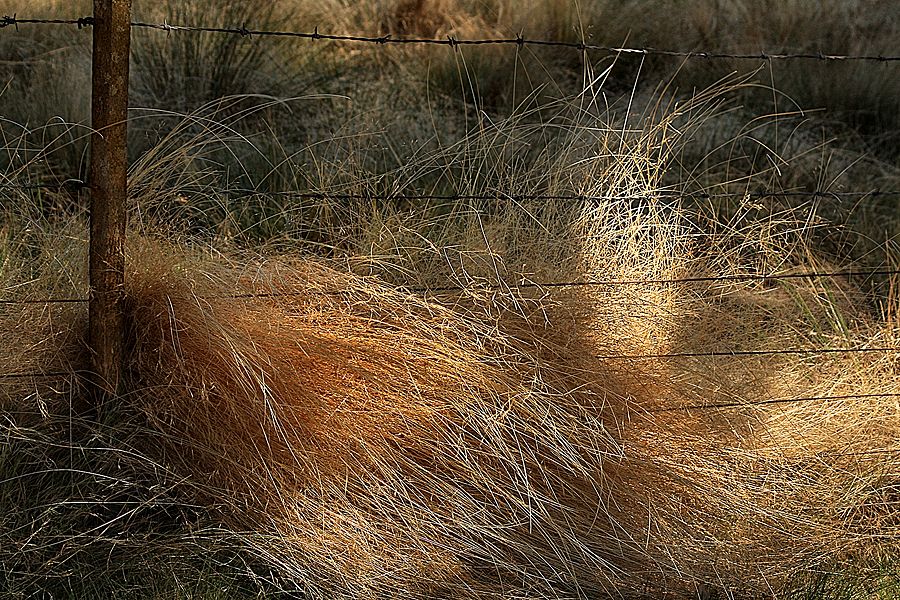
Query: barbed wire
(875,452)
(41,375)
(868,273)
(77,184)
(517,41)
(604,282)
(520,42)
(691,407)
(750,195)
(755,403)
(739,353)
(74,184)
(12,301)
(454,42)
(848,274)
(14,21)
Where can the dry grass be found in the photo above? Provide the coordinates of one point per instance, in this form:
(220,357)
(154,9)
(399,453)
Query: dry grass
(288,405)
(370,442)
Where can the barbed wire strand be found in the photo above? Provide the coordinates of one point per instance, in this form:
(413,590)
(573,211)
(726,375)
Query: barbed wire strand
(14,21)
(518,41)
(571,197)
(876,452)
(11,301)
(738,353)
(692,407)
(454,42)
(41,375)
(73,183)
(551,284)
(756,403)
(750,195)
(664,281)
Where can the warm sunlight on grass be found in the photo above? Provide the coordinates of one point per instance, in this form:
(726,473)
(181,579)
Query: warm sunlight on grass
(485,322)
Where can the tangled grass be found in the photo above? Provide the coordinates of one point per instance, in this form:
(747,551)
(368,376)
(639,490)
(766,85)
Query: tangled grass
(331,398)
(496,440)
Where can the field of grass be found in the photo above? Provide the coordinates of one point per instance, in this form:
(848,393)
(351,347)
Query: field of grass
(334,390)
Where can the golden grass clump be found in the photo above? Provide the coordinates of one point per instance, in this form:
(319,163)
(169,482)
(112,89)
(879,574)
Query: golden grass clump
(504,439)
(376,432)
(375,442)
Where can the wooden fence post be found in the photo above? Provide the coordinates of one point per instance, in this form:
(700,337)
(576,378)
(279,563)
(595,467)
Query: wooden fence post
(108,183)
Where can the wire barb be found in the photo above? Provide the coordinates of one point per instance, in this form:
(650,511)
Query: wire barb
(9,20)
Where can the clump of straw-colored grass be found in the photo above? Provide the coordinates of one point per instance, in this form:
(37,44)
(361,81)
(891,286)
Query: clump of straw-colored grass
(376,432)
(500,437)
(378,442)
(372,441)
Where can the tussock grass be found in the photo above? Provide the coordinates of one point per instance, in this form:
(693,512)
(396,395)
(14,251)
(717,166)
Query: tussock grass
(299,417)
(361,440)
(358,431)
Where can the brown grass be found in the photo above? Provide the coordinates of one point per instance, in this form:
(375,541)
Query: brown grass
(373,442)
(380,433)
(368,441)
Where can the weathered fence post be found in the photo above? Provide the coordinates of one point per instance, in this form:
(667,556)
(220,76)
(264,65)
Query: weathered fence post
(108,182)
